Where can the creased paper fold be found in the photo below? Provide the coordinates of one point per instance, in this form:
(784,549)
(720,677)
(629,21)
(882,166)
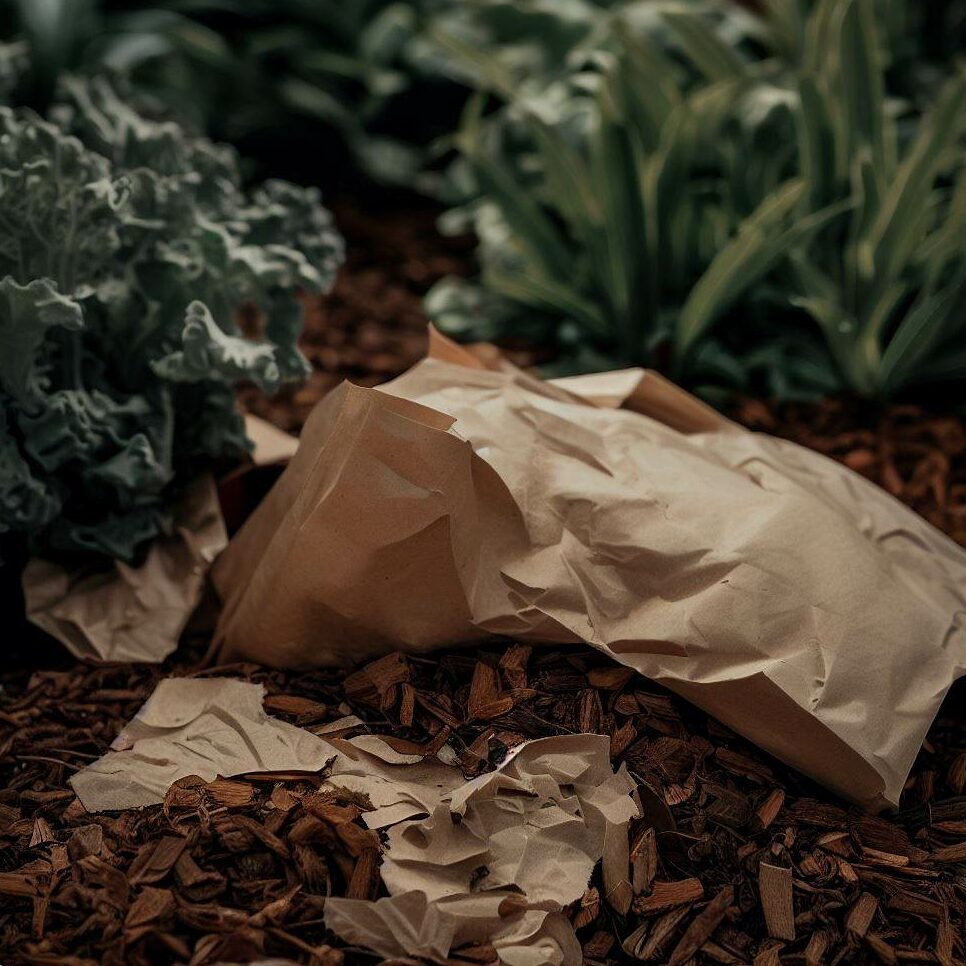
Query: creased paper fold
(781,592)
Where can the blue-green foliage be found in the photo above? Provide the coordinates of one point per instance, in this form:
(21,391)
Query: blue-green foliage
(126,249)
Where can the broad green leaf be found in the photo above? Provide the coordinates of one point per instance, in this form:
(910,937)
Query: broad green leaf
(763,239)
(896,231)
(919,333)
(816,137)
(710,55)
(750,254)
(862,87)
(554,296)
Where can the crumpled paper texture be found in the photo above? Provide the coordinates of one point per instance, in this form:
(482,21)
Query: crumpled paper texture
(784,594)
(497,858)
(128,613)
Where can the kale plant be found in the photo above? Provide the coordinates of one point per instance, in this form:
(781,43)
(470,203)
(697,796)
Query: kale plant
(127,248)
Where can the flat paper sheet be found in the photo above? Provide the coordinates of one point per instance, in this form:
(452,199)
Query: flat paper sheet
(132,613)
(792,599)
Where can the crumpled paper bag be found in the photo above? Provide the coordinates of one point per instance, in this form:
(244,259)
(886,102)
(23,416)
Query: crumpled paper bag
(497,859)
(784,594)
(127,613)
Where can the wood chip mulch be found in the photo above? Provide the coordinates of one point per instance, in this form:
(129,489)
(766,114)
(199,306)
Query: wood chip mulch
(752,864)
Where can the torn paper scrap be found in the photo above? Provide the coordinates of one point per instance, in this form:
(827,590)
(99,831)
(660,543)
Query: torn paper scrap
(213,727)
(498,856)
(208,727)
(127,613)
(269,443)
(409,925)
(398,786)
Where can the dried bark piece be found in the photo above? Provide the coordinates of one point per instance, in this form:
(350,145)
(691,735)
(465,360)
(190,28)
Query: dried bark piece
(84,841)
(364,883)
(150,909)
(643,861)
(951,853)
(616,869)
(648,939)
(702,927)
(407,704)
(588,909)
(768,810)
(229,793)
(199,885)
(610,678)
(42,832)
(305,709)
(590,714)
(156,859)
(777,902)
(861,914)
(376,683)
(667,895)
(599,945)
(513,664)
(485,700)
(945,952)
(883,951)
(769,956)
(818,944)
(32,879)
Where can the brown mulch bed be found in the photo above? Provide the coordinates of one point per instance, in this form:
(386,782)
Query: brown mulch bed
(238,870)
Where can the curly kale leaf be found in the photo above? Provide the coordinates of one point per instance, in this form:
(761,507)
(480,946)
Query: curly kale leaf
(206,349)
(27,313)
(127,249)
(27,503)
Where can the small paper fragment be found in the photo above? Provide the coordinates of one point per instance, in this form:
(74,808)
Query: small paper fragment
(270,444)
(409,925)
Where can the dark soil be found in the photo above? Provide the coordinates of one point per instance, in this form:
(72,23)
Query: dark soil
(236,871)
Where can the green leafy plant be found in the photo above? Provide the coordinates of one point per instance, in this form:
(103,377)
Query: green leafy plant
(886,284)
(260,72)
(126,249)
(699,201)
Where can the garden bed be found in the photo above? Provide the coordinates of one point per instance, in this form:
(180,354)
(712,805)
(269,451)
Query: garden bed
(236,871)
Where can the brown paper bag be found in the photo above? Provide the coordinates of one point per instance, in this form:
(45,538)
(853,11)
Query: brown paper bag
(792,599)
